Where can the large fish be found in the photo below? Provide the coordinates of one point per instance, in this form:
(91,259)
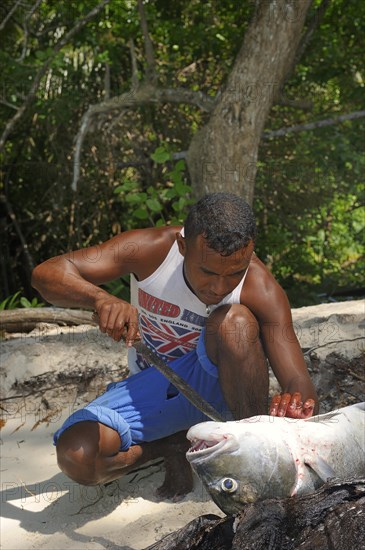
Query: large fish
(265,456)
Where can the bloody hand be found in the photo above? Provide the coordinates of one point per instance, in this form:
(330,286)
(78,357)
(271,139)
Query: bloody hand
(291,405)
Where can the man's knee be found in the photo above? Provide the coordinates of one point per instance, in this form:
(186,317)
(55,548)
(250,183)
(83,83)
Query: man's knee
(77,452)
(232,326)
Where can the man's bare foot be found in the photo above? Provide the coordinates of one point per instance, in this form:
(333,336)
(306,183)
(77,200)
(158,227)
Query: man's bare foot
(178,478)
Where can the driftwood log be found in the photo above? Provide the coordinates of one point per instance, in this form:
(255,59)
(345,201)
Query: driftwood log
(27,319)
(331,518)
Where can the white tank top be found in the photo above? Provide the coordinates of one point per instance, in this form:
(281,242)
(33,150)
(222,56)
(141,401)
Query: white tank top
(171,317)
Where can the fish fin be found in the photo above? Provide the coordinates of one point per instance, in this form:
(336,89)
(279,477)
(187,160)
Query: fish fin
(299,478)
(296,487)
(321,467)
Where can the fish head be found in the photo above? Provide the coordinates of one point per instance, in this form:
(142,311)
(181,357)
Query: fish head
(239,464)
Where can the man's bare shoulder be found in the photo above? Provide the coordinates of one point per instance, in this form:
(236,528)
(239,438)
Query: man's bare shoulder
(159,235)
(149,240)
(146,248)
(259,276)
(261,292)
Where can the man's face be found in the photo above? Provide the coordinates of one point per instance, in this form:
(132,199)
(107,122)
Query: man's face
(212,276)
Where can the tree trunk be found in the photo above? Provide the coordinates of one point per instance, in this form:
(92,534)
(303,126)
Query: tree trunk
(223,154)
(26,319)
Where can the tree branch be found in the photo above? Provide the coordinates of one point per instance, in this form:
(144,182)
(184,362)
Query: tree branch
(300,104)
(135,80)
(42,71)
(313,25)
(7,104)
(284,131)
(23,242)
(8,16)
(302,46)
(312,125)
(151,75)
(107,81)
(27,18)
(145,94)
(25,320)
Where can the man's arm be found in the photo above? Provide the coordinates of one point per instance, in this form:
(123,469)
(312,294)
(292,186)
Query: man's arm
(268,301)
(299,398)
(72,280)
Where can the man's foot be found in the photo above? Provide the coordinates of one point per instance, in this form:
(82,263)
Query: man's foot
(178,478)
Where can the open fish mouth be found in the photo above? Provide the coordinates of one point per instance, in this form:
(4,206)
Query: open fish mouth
(203,446)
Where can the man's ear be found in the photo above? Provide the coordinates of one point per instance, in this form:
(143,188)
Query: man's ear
(181,243)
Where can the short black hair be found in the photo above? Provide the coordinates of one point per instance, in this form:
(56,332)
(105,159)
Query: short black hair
(225,220)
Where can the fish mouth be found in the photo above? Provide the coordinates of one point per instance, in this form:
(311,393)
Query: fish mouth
(206,447)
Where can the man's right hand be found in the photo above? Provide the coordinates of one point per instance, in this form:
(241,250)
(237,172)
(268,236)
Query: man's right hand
(291,405)
(117,318)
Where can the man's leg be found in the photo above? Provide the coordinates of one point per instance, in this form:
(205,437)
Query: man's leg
(233,344)
(88,452)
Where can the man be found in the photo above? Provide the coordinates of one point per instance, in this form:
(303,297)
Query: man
(205,303)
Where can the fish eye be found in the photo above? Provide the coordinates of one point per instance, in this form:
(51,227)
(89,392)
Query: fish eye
(229,485)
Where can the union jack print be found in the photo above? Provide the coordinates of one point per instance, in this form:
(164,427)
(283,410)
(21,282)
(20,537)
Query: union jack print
(168,340)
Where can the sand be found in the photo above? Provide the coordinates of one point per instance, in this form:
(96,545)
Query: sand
(52,372)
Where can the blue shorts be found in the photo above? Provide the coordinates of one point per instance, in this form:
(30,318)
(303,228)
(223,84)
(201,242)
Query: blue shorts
(146,406)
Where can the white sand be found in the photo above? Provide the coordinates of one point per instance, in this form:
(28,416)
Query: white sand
(41,508)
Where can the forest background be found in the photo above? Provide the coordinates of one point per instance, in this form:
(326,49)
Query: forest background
(101,103)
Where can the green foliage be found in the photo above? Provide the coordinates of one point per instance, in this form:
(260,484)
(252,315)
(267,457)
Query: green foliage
(16,301)
(162,204)
(11,302)
(311,215)
(309,185)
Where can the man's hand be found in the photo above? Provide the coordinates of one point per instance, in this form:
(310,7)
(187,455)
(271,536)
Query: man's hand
(117,318)
(291,405)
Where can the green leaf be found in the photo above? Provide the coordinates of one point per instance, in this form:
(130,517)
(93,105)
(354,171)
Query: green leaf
(179,166)
(126,186)
(136,198)
(160,155)
(11,302)
(35,303)
(3,304)
(176,177)
(14,301)
(154,205)
(152,191)
(141,214)
(181,188)
(171,193)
